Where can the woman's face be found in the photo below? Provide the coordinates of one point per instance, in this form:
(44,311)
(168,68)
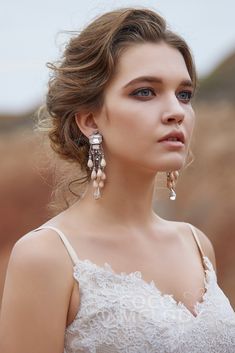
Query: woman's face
(148,98)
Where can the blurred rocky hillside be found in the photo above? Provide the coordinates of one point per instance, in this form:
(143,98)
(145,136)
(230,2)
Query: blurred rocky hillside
(205,191)
(220,84)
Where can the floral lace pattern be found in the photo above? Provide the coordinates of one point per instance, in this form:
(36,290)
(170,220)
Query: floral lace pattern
(122,313)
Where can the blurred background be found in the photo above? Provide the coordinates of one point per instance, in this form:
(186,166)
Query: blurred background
(31,34)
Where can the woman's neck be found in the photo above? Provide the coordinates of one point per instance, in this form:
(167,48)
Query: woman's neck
(126,199)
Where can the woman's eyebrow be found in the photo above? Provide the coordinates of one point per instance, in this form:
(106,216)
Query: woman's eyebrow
(153,79)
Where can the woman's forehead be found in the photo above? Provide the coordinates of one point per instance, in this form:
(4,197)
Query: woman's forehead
(157,60)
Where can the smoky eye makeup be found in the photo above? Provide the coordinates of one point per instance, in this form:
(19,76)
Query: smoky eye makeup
(143,92)
(147,92)
(187,95)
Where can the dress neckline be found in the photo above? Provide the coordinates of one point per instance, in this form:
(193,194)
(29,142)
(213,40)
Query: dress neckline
(208,273)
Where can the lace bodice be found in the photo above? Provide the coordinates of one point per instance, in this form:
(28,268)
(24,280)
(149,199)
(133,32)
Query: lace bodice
(122,313)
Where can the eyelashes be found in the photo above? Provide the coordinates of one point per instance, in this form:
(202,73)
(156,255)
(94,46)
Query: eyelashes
(143,92)
(146,93)
(188,94)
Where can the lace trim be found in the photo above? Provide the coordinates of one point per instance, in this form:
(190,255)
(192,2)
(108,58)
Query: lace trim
(109,321)
(80,269)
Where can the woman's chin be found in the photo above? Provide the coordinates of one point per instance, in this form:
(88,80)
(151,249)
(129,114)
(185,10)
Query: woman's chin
(170,165)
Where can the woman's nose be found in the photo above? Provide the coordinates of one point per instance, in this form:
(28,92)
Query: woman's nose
(174,113)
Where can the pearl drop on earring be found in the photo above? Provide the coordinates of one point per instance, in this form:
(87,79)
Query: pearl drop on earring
(171,185)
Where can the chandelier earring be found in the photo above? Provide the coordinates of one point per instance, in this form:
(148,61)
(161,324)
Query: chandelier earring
(171,183)
(96,163)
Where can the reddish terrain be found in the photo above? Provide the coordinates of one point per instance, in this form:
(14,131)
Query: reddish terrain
(24,193)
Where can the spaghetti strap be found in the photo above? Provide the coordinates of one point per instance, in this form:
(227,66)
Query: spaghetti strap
(196,239)
(64,239)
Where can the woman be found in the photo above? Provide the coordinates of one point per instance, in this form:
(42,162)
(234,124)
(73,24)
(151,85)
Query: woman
(120,107)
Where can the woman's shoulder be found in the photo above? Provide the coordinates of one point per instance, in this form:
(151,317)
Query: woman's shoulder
(207,246)
(40,242)
(37,291)
(40,252)
(205,242)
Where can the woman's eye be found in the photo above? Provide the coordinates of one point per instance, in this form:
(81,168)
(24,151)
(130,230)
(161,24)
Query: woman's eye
(143,92)
(185,95)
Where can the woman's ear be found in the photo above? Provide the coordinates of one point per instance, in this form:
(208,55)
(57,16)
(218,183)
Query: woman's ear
(86,123)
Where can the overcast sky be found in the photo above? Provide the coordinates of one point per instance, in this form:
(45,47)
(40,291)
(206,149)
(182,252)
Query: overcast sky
(29,37)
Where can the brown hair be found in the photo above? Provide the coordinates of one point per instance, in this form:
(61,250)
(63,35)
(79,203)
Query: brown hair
(87,66)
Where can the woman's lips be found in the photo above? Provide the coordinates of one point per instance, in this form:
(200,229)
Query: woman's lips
(174,135)
(172,144)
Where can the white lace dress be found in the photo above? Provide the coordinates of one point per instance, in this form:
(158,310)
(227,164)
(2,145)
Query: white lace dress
(122,313)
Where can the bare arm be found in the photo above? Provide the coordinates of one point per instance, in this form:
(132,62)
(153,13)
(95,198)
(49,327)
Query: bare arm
(35,299)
